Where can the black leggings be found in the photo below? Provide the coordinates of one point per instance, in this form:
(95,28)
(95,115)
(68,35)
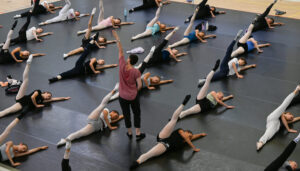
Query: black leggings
(135,106)
(22,33)
(79,68)
(146,5)
(65,165)
(157,54)
(224,69)
(202,13)
(36,10)
(279,161)
(261,21)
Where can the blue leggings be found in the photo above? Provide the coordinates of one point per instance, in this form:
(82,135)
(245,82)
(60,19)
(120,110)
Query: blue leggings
(224,69)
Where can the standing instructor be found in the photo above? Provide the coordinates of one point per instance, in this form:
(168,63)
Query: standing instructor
(130,83)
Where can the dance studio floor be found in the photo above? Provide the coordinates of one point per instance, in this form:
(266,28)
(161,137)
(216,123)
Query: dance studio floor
(232,134)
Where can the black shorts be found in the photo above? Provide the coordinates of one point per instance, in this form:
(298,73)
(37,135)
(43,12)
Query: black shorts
(205,104)
(243,45)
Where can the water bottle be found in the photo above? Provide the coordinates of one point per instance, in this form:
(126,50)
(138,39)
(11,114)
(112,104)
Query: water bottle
(125,12)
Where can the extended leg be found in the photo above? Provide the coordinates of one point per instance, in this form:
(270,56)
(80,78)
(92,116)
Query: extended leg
(146,33)
(168,129)
(193,110)
(246,36)
(279,161)
(8,39)
(101,12)
(25,83)
(267,11)
(190,27)
(14,108)
(157,150)
(96,112)
(7,130)
(66,7)
(87,130)
(74,52)
(271,129)
(203,91)
(155,19)
(183,41)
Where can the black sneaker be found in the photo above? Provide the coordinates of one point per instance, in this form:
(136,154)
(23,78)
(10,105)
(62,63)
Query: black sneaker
(134,165)
(140,137)
(129,135)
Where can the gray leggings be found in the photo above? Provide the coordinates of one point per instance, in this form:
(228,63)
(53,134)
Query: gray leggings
(273,120)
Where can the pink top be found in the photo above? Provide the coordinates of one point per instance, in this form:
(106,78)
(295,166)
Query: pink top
(106,22)
(128,87)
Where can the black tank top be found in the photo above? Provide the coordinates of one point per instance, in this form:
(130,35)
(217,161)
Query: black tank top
(87,67)
(17,54)
(27,101)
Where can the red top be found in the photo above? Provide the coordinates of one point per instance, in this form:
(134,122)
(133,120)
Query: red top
(128,86)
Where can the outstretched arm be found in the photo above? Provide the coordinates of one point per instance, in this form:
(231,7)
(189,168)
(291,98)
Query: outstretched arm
(296,119)
(55,99)
(127,23)
(38,54)
(210,36)
(214,94)
(196,136)
(227,98)
(34,150)
(165,82)
(106,66)
(121,53)
(277,24)
(181,54)
(117,120)
(248,67)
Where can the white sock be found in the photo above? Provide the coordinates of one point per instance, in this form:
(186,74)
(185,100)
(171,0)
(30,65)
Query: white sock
(116,87)
(297,138)
(61,142)
(93,11)
(150,54)
(65,55)
(176,28)
(29,60)
(68,144)
(17,16)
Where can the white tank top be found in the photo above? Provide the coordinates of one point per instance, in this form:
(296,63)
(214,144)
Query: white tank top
(108,117)
(71,14)
(29,33)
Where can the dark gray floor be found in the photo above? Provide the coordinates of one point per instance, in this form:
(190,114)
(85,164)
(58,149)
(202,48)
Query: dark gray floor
(232,134)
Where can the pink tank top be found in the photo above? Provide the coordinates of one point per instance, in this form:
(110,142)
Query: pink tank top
(106,22)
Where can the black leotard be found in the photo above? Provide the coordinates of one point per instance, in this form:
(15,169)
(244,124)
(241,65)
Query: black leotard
(173,142)
(27,101)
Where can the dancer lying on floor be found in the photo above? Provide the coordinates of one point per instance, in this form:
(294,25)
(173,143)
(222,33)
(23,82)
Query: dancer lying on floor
(106,23)
(98,120)
(26,34)
(154,26)
(81,68)
(147,4)
(8,150)
(193,36)
(230,66)
(147,82)
(16,55)
(281,162)
(36,99)
(100,42)
(276,117)
(247,44)
(39,8)
(206,102)
(162,55)
(66,13)
(263,22)
(205,11)
(169,139)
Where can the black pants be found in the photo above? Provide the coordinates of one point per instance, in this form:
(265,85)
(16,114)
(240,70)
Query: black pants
(65,165)
(22,33)
(36,10)
(157,54)
(79,68)
(279,161)
(146,5)
(261,21)
(135,107)
(224,69)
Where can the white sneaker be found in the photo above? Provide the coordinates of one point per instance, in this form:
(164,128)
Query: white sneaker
(17,16)
(29,60)
(68,144)
(201,82)
(61,142)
